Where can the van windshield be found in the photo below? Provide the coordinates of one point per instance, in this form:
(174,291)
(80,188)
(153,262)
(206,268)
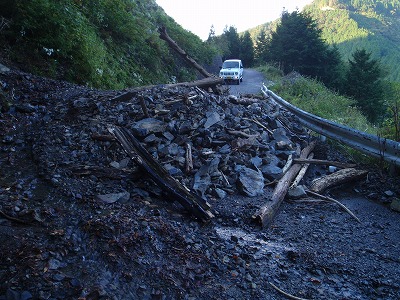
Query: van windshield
(230,64)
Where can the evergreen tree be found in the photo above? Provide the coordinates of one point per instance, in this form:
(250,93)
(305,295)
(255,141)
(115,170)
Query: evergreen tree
(364,84)
(333,70)
(211,34)
(261,48)
(233,41)
(296,45)
(247,50)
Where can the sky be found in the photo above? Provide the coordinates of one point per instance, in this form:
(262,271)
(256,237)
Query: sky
(197,16)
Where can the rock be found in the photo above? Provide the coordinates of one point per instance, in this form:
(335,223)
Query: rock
(147,126)
(212,119)
(272,172)
(111,198)
(297,192)
(389,193)
(3,69)
(395,205)
(251,182)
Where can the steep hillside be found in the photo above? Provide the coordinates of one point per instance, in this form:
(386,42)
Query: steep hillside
(107,44)
(372,25)
(355,24)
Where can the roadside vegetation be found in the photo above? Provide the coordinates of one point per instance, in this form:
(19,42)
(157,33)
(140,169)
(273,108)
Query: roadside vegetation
(104,44)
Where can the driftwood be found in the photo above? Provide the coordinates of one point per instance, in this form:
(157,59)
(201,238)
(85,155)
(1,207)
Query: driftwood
(164,36)
(266,214)
(323,162)
(187,198)
(345,175)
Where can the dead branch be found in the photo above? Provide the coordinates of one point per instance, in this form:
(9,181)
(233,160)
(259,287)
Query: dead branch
(266,214)
(301,174)
(103,137)
(288,164)
(335,201)
(189,158)
(324,162)
(261,125)
(187,198)
(342,176)
(164,36)
(284,293)
(144,107)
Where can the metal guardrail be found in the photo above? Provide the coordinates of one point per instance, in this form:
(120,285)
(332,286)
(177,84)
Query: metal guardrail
(373,145)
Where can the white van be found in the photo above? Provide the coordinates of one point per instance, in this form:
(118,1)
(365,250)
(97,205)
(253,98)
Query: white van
(232,70)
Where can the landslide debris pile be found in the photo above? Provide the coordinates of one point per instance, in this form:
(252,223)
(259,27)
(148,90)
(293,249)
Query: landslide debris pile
(80,220)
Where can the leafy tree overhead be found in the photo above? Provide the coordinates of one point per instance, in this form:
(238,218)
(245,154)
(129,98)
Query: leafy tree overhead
(364,84)
(246,50)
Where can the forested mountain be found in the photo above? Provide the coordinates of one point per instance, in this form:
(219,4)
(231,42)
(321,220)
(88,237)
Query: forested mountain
(367,24)
(372,25)
(103,43)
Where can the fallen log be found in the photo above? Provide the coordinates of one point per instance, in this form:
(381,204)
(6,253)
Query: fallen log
(345,175)
(164,36)
(324,162)
(176,191)
(204,83)
(265,215)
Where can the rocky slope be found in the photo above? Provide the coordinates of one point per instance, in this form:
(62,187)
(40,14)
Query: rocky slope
(80,220)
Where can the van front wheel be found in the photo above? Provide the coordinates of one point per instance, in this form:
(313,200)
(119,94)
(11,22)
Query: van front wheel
(238,82)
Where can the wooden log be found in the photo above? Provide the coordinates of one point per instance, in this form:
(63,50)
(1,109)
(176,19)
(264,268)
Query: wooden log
(324,162)
(174,189)
(204,83)
(164,36)
(342,176)
(265,215)
(301,174)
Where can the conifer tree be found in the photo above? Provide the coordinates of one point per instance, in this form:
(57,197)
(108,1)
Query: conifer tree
(364,84)
(246,49)
(261,48)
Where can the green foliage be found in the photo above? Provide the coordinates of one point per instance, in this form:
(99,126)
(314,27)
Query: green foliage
(313,97)
(261,48)
(296,45)
(391,125)
(102,43)
(370,25)
(246,50)
(364,83)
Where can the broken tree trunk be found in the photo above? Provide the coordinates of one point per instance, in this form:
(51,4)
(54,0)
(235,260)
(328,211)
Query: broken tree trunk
(204,83)
(164,36)
(323,162)
(187,198)
(266,214)
(345,175)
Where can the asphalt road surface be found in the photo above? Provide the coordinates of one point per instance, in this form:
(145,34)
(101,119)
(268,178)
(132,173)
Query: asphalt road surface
(252,81)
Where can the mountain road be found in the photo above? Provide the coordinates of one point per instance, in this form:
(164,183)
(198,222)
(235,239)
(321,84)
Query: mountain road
(251,84)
